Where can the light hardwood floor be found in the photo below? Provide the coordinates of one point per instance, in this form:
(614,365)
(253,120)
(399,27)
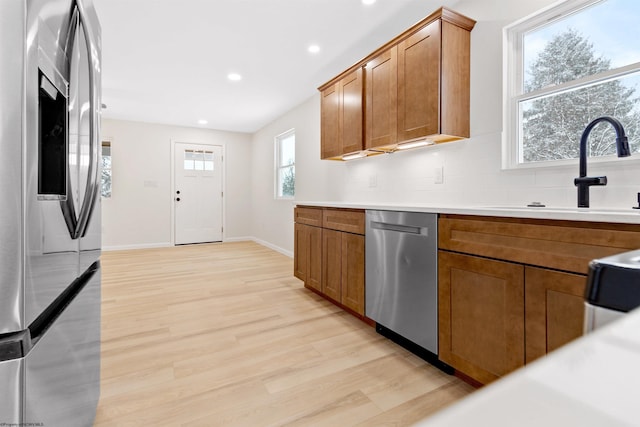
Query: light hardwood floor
(224,335)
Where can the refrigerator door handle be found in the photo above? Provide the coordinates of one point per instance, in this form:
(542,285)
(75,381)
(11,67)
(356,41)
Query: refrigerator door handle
(93,182)
(68,205)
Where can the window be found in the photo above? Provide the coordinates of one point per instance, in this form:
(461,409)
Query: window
(106,169)
(198,160)
(285,165)
(565,67)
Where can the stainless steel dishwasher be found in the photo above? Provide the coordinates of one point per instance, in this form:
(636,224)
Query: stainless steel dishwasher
(402,275)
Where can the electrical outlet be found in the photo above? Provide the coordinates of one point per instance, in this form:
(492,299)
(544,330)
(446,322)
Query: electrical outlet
(438,175)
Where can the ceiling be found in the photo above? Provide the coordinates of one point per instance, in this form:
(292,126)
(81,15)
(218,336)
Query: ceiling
(167,61)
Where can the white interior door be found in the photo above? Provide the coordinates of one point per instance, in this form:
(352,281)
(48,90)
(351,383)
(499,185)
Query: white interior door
(197,193)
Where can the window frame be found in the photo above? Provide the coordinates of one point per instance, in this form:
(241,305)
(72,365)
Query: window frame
(278,167)
(513,87)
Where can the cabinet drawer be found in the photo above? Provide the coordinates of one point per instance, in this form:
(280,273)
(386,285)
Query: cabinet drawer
(348,220)
(309,216)
(562,245)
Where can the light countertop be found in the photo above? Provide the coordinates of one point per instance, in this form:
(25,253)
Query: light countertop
(589,382)
(623,216)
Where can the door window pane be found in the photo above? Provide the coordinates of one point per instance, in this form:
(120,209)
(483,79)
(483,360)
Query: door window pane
(208,160)
(199,160)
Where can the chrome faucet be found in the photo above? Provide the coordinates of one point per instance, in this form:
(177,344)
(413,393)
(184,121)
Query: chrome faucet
(583,182)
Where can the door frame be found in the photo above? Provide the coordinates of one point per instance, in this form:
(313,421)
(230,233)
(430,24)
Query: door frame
(172,205)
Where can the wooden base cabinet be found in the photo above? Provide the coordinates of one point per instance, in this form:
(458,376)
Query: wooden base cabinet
(554,310)
(329,255)
(512,290)
(343,268)
(307,258)
(497,316)
(481,315)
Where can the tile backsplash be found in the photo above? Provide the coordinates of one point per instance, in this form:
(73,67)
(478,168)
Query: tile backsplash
(472,175)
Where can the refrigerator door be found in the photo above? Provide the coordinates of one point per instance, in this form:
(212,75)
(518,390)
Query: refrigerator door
(62,378)
(62,93)
(52,252)
(12,32)
(11,378)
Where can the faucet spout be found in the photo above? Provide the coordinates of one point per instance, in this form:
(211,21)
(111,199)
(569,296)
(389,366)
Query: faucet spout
(583,182)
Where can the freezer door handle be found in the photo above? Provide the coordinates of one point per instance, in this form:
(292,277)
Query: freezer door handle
(41,324)
(14,345)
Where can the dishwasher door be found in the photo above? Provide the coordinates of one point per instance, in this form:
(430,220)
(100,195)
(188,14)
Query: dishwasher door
(402,274)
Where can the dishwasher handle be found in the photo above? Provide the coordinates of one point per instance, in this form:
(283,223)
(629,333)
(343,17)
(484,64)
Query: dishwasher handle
(400,228)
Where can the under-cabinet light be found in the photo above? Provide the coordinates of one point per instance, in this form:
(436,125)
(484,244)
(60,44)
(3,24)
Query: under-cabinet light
(354,156)
(415,144)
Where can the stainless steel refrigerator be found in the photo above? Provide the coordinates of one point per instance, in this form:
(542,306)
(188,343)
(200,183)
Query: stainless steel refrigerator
(50,212)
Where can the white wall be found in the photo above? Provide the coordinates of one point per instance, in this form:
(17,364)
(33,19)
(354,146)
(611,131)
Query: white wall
(138,214)
(472,167)
(272,220)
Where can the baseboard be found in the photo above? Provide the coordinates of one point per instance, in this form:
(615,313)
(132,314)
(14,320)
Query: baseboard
(272,246)
(239,239)
(136,246)
(229,239)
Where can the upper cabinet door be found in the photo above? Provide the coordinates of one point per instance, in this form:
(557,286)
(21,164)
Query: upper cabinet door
(330,126)
(419,83)
(341,116)
(351,111)
(381,99)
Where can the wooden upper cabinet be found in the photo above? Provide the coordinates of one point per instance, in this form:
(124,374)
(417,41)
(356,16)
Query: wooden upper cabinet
(381,99)
(414,86)
(418,112)
(455,80)
(330,129)
(342,116)
(351,111)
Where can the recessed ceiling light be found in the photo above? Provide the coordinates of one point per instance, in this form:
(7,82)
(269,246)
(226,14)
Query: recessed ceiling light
(202,122)
(368,2)
(314,48)
(234,77)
